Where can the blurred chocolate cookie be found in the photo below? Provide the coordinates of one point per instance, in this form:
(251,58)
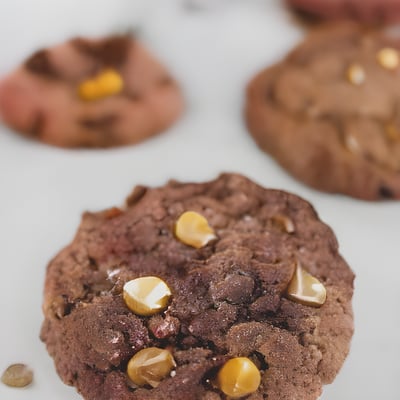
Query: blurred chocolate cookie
(209,291)
(369,11)
(329,112)
(91,93)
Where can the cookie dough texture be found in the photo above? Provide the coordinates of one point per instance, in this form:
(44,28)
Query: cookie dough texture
(228,298)
(329,112)
(369,11)
(41,98)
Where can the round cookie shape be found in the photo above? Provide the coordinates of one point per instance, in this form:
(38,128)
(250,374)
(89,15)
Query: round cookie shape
(230,298)
(91,93)
(368,11)
(329,112)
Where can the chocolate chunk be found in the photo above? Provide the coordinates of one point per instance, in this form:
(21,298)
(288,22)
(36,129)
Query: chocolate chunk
(386,193)
(103,123)
(111,51)
(40,64)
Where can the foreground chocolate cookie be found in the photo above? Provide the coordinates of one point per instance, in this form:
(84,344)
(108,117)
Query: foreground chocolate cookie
(370,11)
(91,93)
(329,113)
(200,291)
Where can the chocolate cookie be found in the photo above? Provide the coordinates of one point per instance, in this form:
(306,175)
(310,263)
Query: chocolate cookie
(91,93)
(371,11)
(200,291)
(329,113)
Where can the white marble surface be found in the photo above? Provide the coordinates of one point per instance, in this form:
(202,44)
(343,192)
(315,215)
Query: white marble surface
(213,52)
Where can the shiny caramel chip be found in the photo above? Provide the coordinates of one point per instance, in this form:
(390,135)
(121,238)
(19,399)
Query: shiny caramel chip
(17,375)
(356,74)
(352,144)
(388,58)
(284,222)
(150,366)
(193,229)
(392,132)
(108,83)
(239,377)
(305,289)
(147,295)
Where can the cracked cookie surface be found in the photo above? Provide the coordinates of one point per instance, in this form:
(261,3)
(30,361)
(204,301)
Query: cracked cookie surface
(228,297)
(329,113)
(91,93)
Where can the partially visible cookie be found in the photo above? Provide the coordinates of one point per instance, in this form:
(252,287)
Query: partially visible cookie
(370,11)
(204,291)
(91,93)
(329,113)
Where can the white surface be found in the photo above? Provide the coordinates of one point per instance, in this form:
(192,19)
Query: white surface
(213,52)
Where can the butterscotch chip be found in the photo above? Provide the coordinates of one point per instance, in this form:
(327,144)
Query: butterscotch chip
(329,113)
(229,299)
(106,84)
(150,366)
(239,377)
(284,222)
(146,295)
(352,144)
(193,229)
(306,289)
(17,375)
(356,74)
(388,58)
(392,131)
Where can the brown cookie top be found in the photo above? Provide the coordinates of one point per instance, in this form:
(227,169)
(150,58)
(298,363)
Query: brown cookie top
(370,11)
(232,291)
(91,93)
(329,113)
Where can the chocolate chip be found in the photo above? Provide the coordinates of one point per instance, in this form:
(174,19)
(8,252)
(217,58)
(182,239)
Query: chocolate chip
(112,51)
(105,122)
(39,63)
(93,264)
(61,307)
(385,192)
(259,360)
(38,125)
